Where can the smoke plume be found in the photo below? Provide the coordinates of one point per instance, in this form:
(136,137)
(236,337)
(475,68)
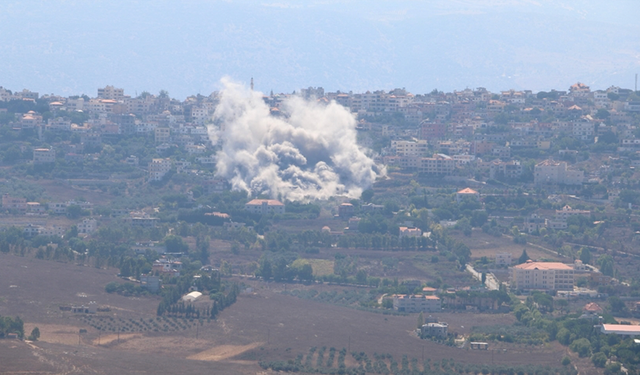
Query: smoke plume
(307,152)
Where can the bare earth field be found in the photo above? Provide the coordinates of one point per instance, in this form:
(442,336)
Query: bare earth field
(264,324)
(482,244)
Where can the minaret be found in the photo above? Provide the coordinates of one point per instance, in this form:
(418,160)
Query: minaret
(251,83)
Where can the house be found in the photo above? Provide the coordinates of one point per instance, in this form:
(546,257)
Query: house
(467,192)
(416,303)
(439,329)
(542,276)
(265,206)
(149,282)
(87,226)
(410,232)
(346,210)
(141,219)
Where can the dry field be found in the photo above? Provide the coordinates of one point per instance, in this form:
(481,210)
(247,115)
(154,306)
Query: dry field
(262,325)
(482,244)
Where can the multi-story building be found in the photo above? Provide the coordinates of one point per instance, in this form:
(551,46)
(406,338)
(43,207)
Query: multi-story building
(509,170)
(410,148)
(44,155)
(553,172)
(158,168)
(264,206)
(566,212)
(503,259)
(439,164)
(111,92)
(583,128)
(87,226)
(13,203)
(162,135)
(416,303)
(542,276)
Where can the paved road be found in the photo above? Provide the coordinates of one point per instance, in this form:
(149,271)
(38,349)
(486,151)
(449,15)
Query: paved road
(491,282)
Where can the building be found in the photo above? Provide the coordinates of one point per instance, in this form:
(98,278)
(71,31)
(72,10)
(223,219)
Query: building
(111,92)
(508,170)
(620,329)
(466,192)
(503,259)
(542,276)
(553,172)
(410,148)
(416,303)
(346,210)
(87,226)
(264,206)
(158,168)
(162,135)
(567,212)
(149,282)
(141,219)
(410,232)
(439,329)
(13,203)
(44,155)
(439,164)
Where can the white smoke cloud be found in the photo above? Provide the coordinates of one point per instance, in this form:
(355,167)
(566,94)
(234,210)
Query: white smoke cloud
(309,153)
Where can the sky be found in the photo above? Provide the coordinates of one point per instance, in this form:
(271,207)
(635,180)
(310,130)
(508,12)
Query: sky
(185,47)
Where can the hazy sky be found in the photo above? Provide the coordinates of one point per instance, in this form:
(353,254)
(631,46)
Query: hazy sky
(72,47)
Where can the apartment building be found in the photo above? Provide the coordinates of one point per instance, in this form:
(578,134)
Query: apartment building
(111,92)
(162,135)
(158,168)
(416,303)
(542,276)
(44,155)
(410,148)
(554,172)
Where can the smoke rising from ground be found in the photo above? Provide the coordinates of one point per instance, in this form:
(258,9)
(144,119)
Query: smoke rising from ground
(309,152)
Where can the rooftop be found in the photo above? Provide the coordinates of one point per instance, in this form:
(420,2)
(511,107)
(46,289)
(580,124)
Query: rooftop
(530,265)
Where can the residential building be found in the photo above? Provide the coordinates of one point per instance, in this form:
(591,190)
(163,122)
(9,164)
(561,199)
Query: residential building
(87,226)
(503,259)
(410,232)
(508,170)
(416,303)
(158,168)
(111,92)
(566,212)
(410,148)
(346,210)
(542,276)
(554,172)
(439,329)
(467,193)
(44,155)
(162,135)
(264,206)
(439,164)
(13,203)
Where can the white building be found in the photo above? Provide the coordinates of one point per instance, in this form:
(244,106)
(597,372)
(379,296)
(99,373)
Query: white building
(503,259)
(264,206)
(542,276)
(416,303)
(410,148)
(553,172)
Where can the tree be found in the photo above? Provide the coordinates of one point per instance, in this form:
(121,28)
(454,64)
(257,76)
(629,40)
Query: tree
(599,359)
(484,278)
(175,244)
(566,361)
(420,320)
(367,195)
(618,307)
(524,257)
(605,262)
(581,346)
(306,273)
(585,255)
(35,334)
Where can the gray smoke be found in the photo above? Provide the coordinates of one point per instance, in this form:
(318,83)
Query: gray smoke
(310,152)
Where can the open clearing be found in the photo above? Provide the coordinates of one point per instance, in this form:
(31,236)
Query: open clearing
(482,244)
(222,352)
